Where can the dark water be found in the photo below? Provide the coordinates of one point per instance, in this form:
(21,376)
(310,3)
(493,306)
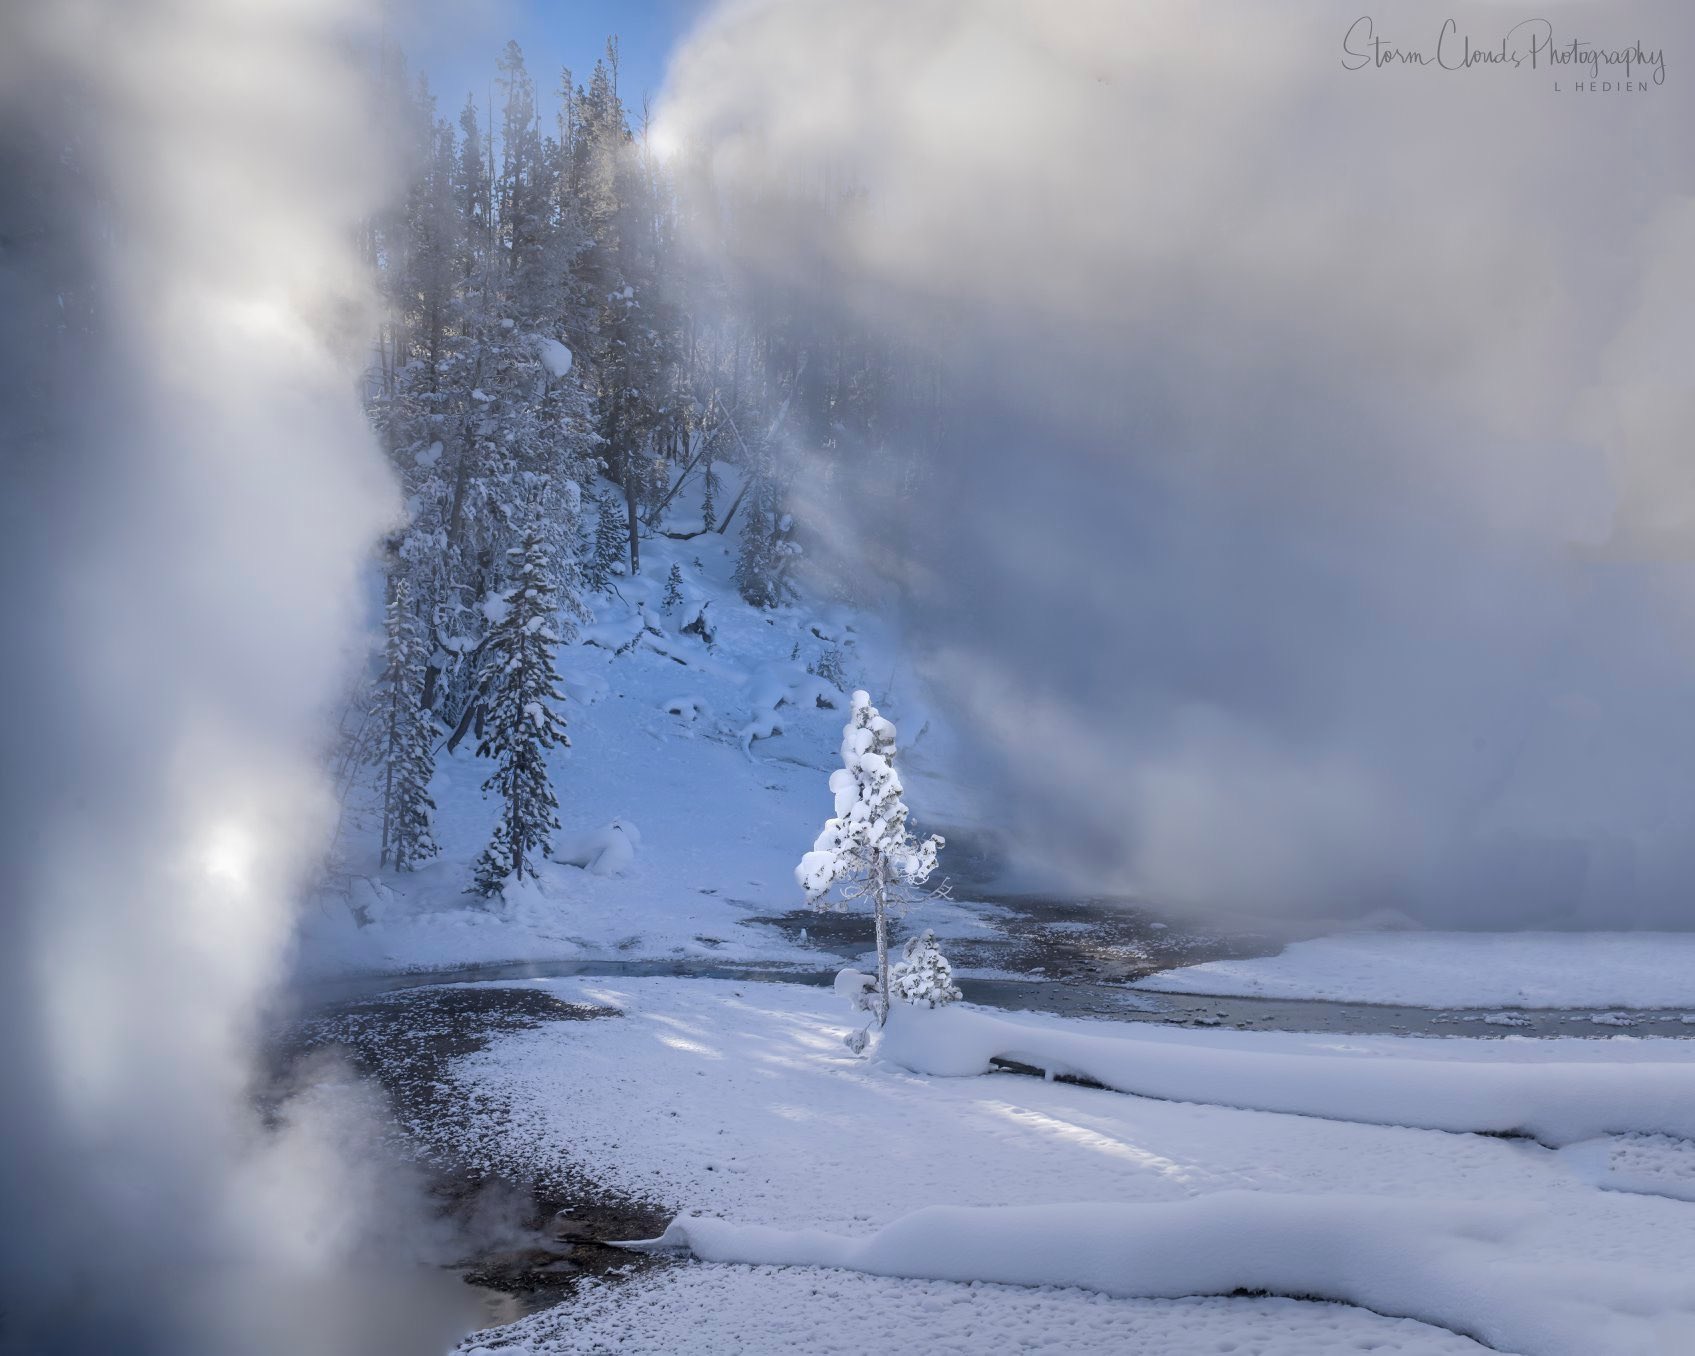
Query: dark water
(1069,998)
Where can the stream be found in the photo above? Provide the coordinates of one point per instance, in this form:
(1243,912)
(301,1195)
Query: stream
(1072,998)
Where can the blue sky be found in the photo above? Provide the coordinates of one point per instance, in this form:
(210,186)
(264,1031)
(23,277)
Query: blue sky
(456,42)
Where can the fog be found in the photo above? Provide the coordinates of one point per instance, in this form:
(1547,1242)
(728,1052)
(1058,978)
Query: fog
(1311,528)
(190,492)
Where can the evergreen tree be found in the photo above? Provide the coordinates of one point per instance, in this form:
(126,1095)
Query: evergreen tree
(673,589)
(766,552)
(472,194)
(709,500)
(608,553)
(406,751)
(866,850)
(923,975)
(522,724)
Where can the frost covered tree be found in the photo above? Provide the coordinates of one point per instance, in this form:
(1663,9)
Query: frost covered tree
(522,724)
(923,975)
(709,499)
(673,589)
(407,738)
(767,552)
(866,851)
(606,557)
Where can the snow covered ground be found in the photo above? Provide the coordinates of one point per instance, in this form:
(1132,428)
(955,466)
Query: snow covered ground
(733,1309)
(918,1200)
(1462,970)
(738,1103)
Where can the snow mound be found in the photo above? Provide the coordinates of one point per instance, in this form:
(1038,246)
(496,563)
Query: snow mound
(689,708)
(1555,1103)
(608,851)
(854,988)
(777,685)
(1462,969)
(1450,1264)
(732,1310)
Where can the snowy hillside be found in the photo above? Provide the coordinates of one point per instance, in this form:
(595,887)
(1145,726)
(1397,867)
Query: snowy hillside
(697,776)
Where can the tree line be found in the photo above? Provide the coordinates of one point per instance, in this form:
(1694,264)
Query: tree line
(558,360)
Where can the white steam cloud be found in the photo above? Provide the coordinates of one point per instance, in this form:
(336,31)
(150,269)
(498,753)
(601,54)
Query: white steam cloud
(1316,512)
(191,490)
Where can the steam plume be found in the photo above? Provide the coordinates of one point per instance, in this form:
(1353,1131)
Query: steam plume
(1315,512)
(190,491)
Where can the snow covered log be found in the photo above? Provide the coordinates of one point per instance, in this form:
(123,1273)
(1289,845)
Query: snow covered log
(1452,1264)
(1555,1103)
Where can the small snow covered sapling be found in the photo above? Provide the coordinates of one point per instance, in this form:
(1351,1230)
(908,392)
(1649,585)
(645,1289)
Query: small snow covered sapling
(923,976)
(673,589)
(866,850)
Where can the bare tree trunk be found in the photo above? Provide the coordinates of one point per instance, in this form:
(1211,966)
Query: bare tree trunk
(630,511)
(471,714)
(388,773)
(880,909)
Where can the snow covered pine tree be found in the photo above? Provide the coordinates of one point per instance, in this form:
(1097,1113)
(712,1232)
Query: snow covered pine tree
(606,557)
(866,851)
(407,756)
(923,975)
(522,724)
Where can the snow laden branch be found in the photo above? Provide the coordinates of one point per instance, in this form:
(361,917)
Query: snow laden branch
(866,851)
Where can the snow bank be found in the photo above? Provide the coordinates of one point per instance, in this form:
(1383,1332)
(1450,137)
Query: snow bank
(1452,1264)
(1462,969)
(708,1310)
(1556,1103)
(608,851)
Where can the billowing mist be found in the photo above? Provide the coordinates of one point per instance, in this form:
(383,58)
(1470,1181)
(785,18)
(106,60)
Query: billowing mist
(190,491)
(1312,529)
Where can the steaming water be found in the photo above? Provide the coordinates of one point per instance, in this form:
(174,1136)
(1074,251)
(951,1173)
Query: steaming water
(1311,528)
(190,493)
(1114,1002)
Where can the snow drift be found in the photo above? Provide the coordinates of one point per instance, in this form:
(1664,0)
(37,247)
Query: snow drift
(1450,1264)
(1553,1103)
(606,851)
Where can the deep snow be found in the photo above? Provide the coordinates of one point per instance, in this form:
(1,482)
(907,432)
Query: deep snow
(739,1102)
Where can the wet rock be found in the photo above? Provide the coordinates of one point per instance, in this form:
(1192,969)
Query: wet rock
(564,1227)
